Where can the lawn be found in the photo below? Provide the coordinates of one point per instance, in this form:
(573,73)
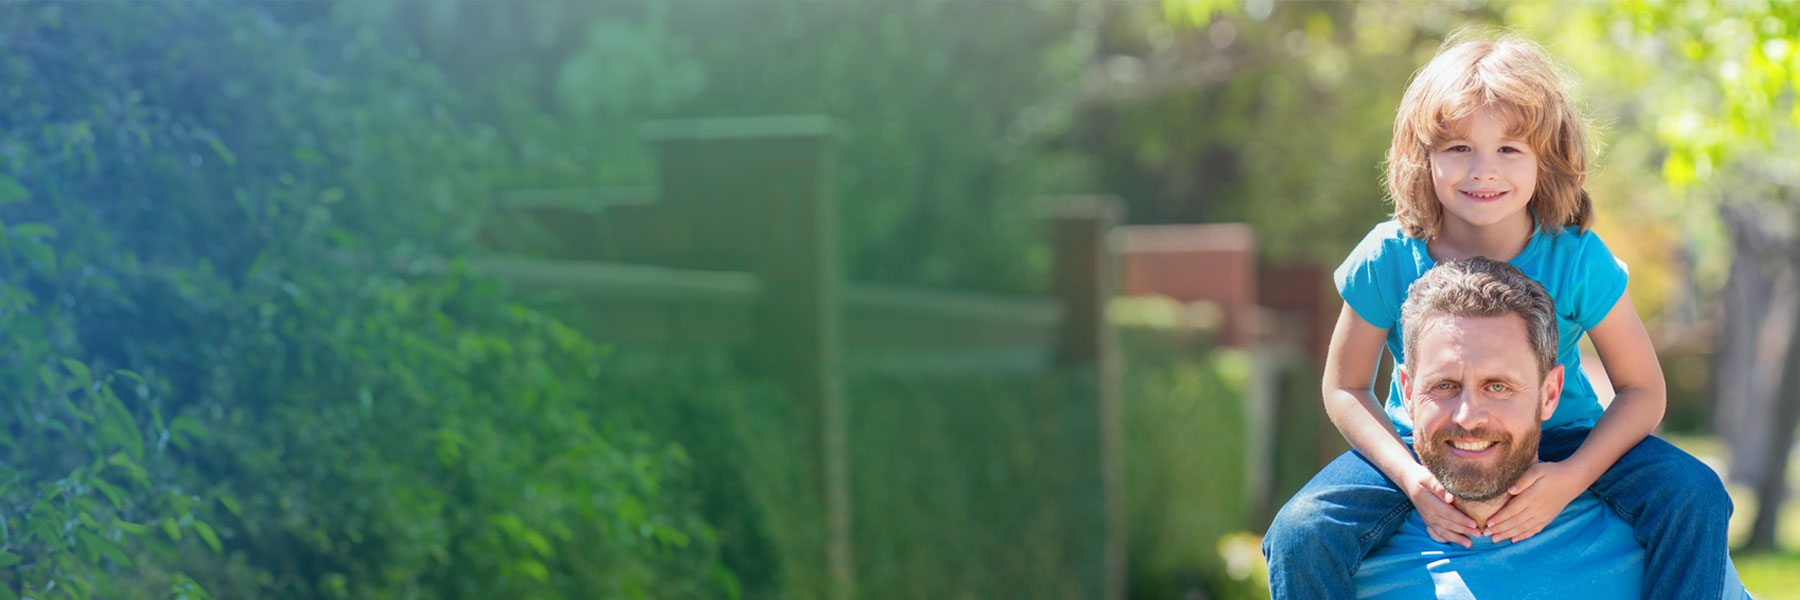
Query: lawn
(1767,576)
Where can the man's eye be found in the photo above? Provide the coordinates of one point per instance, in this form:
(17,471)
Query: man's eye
(1497,387)
(1444,385)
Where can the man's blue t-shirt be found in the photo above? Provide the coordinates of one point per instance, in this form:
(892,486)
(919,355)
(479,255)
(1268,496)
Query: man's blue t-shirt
(1588,552)
(1583,278)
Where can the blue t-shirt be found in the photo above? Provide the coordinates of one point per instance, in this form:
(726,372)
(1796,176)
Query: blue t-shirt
(1583,278)
(1588,552)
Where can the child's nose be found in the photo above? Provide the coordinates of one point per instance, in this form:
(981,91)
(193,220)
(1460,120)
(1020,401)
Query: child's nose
(1484,169)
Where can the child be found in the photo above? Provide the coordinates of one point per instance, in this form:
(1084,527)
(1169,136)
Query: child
(1488,159)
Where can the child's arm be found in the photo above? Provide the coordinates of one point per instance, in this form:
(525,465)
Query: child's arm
(1636,409)
(1350,364)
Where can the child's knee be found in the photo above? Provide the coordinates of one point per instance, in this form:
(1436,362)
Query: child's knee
(1702,484)
(1691,482)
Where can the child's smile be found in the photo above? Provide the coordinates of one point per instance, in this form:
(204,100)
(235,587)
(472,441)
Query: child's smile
(1484,177)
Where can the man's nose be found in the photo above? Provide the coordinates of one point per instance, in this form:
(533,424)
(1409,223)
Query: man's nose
(1469,413)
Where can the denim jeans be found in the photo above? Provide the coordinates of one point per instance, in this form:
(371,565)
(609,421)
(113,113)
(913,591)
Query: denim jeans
(1676,505)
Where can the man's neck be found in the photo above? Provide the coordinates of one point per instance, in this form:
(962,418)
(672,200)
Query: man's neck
(1480,511)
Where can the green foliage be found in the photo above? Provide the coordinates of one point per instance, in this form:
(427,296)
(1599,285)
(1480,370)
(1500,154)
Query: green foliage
(977,486)
(236,202)
(953,108)
(1185,457)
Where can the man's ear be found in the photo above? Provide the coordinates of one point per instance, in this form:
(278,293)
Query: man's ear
(1552,392)
(1405,385)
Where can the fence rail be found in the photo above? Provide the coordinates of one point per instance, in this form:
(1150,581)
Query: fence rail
(736,248)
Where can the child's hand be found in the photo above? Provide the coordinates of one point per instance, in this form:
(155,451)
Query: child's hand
(1443,522)
(1538,496)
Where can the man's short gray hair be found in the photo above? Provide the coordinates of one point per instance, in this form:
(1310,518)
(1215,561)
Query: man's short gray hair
(1481,287)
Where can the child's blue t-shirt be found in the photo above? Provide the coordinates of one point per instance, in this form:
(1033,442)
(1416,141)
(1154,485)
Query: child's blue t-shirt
(1583,278)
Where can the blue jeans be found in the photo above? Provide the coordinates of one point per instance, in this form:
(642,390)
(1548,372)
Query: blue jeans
(1675,504)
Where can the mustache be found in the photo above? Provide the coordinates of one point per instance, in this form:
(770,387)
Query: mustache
(1481,433)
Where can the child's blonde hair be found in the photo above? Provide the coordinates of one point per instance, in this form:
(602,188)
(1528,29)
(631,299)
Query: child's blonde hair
(1515,78)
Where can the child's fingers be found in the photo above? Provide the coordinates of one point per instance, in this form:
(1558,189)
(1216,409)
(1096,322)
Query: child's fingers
(1451,521)
(1458,539)
(1531,476)
(1506,515)
(1527,532)
(1518,529)
(1444,537)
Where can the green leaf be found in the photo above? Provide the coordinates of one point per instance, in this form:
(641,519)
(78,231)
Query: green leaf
(206,533)
(12,192)
(38,252)
(533,569)
(538,542)
(171,528)
(34,230)
(672,536)
(8,559)
(113,493)
(105,547)
(131,528)
(224,153)
(80,370)
(119,459)
(117,426)
(308,156)
(231,504)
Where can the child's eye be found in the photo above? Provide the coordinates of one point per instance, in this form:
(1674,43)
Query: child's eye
(1512,149)
(1457,148)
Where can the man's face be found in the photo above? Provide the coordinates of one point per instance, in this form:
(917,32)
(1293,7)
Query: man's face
(1477,402)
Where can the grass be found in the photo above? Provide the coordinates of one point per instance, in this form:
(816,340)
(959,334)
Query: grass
(1768,576)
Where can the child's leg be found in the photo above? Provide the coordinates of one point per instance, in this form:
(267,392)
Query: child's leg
(1322,534)
(1678,509)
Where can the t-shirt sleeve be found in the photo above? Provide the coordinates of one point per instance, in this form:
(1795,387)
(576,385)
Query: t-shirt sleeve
(1364,280)
(1601,282)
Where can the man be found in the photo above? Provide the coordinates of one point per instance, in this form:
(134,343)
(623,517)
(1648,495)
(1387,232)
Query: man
(1478,388)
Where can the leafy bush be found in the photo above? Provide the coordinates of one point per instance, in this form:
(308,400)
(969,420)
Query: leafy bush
(1185,456)
(235,202)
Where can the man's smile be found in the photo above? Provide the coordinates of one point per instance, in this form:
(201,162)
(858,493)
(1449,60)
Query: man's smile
(1471,446)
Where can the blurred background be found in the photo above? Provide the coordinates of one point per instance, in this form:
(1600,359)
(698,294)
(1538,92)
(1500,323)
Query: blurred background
(784,298)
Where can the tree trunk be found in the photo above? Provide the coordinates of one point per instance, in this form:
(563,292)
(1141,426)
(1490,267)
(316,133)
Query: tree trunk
(1772,485)
(1752,343)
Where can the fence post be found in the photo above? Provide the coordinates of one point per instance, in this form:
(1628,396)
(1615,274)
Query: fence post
(1085,278)
(784,165)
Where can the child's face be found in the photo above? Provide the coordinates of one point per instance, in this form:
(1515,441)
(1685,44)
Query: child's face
(1483,176)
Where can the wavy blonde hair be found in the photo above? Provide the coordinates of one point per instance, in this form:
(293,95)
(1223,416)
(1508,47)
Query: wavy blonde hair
(1515,78)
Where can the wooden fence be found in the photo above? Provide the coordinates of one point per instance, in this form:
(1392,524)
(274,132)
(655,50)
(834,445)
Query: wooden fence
(737,249)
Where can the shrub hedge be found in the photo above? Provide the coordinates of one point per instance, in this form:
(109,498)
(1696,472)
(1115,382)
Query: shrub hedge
(229,369)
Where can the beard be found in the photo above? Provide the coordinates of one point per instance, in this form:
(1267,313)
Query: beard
(1471,481)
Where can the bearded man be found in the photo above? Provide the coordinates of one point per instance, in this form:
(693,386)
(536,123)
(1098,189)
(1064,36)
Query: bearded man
(1480,379)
